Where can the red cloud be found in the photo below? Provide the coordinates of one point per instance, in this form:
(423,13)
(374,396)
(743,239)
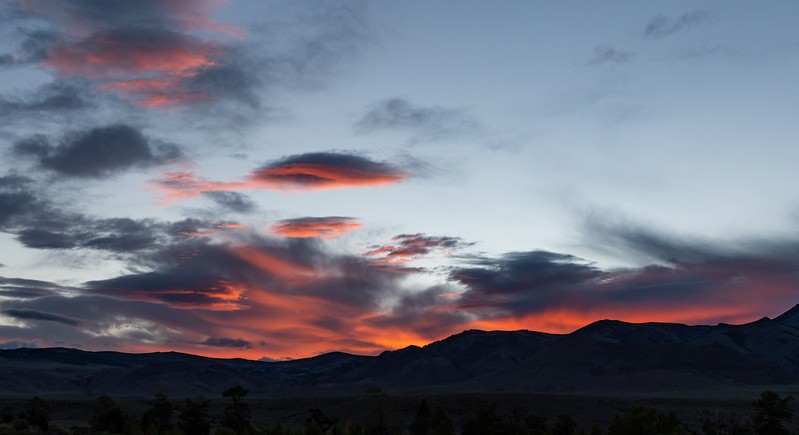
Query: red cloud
(407,247)
(319,171)
(328,227)
(299,173)
(151,63)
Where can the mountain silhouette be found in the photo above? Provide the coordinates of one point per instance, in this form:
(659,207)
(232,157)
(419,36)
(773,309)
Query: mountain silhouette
(605,356)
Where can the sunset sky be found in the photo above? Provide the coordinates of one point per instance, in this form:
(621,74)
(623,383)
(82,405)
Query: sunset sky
(280,179)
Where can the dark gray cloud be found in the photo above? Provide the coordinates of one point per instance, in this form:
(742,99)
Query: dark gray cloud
(39,223)
(42,316)
(99,152)
(59,96)
(237,343)
(18,288)
(662,26)
(523,282)
(425,123)
(716,276)
(605,54)
(35,44)
(233,201)
(430,313)
(6,60)
(13,204)
(104,322)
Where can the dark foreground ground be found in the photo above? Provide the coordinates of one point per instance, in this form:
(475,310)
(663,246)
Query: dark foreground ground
(399,410)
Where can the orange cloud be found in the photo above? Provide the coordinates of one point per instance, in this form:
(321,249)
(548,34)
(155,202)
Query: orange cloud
(152,64)
(299,173)
(328,227)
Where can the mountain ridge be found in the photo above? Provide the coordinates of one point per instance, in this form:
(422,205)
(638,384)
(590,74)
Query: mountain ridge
(604,356)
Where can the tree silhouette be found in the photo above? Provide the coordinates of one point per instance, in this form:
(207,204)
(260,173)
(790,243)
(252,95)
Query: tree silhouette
(378,427)
(486,421)
(106,415)
(645,420)
(421,422)
(564,425)
(440,423)
(38,413)
(772,411)
(193,417)
(158,418)
(237,414)
(318,419)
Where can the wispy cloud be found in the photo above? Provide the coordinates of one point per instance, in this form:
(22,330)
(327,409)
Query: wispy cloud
(327,227)
(236,343)
(407,247)
(605,54)
(40,316)
(425,123)
(662,26)
(233,201)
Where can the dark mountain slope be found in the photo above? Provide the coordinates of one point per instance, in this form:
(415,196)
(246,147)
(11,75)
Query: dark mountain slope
(605,356)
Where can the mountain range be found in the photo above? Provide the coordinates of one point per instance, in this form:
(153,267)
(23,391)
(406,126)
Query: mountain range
(605,356)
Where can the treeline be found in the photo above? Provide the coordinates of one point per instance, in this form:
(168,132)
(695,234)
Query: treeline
(192,417)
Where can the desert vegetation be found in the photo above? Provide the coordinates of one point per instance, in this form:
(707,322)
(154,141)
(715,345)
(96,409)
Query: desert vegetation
(771,415)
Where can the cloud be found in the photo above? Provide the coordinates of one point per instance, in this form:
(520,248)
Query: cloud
(297,173)
(233,201)
(523,282)
(315,171)
(13,204)
(406,247)
(300,298)
(181,288)
(661,26)
(297,297)
(18,345)
(605,54)
(427,123)
(38,315)
(6,59)
(143,50)
(328,227)
(693,282)
(98,153)
(57,96)
(42,224)
(18,288)
(237,343)
(172,54)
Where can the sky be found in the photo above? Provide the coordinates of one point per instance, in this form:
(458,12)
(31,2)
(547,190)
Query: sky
(280,179)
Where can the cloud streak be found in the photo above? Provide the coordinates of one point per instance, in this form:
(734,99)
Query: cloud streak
(605,54)
(328,227)
(41,316)
(407,247)
(298,173)
(426,123)
(662,26)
